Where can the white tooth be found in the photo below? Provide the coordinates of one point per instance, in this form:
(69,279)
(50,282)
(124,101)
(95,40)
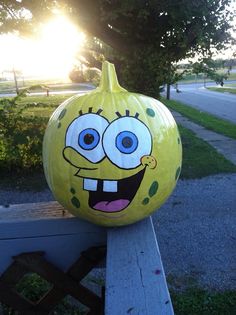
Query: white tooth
(90,184)
(110,185)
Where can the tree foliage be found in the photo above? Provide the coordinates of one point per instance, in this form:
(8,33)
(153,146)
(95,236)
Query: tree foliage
(209,68)
(147,37)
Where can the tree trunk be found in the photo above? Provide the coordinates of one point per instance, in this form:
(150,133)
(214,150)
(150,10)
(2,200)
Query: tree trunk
(168,91)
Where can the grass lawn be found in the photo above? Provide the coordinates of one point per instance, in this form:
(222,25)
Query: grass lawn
(206,120)
(42,106)
(200,159)
(222,89)
(49,101)
(200,302)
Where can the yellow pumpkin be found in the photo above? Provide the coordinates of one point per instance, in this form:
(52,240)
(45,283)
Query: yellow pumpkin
(110,156)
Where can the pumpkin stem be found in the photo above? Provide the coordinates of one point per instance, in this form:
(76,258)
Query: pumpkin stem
(109,81)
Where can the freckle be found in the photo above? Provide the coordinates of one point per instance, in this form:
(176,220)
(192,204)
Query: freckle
(62,114)
(150,112)
(72,190)
(153,189)
(59,125)
(145,201)
(75,202)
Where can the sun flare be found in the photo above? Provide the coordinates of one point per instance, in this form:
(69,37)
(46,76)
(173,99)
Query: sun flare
(52,54)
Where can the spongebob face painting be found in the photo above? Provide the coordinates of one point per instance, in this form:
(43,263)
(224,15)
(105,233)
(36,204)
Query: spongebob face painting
(110,156)
(93,144)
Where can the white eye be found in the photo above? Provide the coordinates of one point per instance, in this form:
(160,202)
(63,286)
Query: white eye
(125,141)
(84,135)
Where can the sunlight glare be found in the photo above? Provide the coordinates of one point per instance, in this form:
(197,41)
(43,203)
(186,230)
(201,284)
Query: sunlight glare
(52,54)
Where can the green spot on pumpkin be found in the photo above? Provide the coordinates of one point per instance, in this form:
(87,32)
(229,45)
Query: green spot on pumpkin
(145,201)
(62,114)
(72,190)
(150,112)
(75,202)
(59,125)
(153,189)
(177,173)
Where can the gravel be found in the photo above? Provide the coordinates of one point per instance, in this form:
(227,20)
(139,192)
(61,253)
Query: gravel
(196,230)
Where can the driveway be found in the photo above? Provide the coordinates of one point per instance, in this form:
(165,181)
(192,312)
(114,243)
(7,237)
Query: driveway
(218,104)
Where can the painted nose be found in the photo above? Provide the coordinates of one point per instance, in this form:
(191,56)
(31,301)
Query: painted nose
(149,160)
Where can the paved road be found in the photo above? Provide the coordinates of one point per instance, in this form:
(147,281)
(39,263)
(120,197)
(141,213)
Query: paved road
(83,88)
(219,104)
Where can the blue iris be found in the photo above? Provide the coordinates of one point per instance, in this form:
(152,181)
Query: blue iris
(126,142)
(88,139)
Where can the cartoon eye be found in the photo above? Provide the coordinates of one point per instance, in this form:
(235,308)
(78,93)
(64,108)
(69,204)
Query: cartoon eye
(84,135)
(125,141)
(88,139)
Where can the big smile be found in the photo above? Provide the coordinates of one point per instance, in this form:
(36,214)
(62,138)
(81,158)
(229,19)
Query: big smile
(110,195)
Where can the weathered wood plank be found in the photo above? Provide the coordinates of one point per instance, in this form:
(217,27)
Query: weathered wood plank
(32,211)
(135,279)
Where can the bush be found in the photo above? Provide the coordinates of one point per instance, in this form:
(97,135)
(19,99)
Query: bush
(20,137)
(92,75)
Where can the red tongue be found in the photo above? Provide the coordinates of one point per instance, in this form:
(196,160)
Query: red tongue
(111,206)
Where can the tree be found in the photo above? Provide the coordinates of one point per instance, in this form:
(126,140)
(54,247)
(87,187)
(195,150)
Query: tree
(209,68)
(149,35)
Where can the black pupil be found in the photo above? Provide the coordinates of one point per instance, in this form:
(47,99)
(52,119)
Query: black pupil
(88,138)
(127,142)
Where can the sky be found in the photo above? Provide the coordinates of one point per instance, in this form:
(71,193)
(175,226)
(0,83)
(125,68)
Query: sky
(53,53)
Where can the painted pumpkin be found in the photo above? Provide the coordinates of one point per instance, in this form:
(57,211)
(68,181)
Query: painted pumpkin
(110,156)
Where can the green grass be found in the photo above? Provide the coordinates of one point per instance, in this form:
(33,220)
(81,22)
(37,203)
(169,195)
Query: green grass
(206,120)
(200,302)
(49,101)
(222,90)
(200,159)
(42,106)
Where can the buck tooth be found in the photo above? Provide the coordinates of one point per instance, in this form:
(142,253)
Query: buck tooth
(90,184)
(110,185)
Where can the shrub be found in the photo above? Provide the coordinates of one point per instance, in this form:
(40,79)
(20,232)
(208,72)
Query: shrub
(20,137)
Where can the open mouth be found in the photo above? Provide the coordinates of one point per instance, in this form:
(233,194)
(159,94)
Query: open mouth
(110,195)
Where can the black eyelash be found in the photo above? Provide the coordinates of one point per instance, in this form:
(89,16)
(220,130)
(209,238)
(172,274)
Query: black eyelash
(127,114)
(90,110)
(80,113)
(99,111)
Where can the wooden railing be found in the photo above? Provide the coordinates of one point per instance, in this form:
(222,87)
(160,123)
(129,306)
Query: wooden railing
(45,239)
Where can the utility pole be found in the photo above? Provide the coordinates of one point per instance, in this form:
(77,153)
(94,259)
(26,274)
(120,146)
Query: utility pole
(15,79)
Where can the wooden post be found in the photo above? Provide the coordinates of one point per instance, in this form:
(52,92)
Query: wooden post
(135,278)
